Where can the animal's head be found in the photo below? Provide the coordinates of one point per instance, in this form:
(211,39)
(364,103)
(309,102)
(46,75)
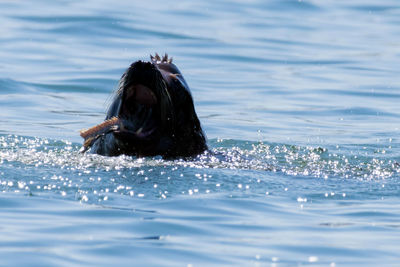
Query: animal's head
(156,112)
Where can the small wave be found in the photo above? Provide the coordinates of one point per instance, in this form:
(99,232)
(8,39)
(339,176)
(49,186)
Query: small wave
(55,169)
(225,154)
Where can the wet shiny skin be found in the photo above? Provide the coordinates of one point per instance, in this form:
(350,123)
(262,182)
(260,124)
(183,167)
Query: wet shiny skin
(156,114)
(299,100)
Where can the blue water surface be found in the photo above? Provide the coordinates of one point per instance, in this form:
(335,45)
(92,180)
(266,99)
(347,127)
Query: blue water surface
(299,100)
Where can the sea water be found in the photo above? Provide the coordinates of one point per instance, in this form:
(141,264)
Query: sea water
(300,103)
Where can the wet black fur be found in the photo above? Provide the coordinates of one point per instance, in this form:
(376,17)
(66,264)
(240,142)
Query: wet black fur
(179,133)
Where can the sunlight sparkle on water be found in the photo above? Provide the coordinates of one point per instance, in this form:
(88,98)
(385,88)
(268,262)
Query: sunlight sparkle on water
(85,180)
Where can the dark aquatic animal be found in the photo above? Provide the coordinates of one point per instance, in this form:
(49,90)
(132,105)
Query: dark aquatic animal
(152,113)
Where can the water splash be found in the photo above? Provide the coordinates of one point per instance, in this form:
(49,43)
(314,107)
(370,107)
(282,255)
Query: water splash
(36,166)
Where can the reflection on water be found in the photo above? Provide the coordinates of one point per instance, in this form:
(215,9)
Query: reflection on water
(299,100)
(245,167)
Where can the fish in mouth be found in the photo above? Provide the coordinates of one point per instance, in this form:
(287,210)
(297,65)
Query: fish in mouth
(152,113)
